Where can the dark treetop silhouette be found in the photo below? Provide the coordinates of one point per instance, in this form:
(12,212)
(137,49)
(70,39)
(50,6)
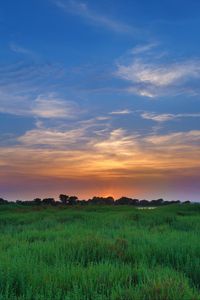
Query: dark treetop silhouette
(73,200)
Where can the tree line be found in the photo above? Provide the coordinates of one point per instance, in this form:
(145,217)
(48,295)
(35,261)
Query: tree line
(73,200)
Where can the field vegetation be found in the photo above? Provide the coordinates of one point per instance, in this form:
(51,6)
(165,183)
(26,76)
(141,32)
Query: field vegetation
(99,252)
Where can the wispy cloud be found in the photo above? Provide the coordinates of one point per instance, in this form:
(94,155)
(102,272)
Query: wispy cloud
(143,48)
(81,9)
(52,106)
(25,90)
(113,156)
(160,75)
(117,142)
(167,117)
(185,140)
(152,74)
(121,112)
(52,138)
(60,135)
(45,106)
(21,50)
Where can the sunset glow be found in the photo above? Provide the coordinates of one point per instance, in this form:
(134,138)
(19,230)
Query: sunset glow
(90,105)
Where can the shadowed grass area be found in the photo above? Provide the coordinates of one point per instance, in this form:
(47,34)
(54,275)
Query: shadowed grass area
(99,252)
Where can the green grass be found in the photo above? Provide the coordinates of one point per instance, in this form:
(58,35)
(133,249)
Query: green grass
(99,253)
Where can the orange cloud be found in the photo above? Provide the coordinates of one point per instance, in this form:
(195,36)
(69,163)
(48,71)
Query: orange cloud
(115,159)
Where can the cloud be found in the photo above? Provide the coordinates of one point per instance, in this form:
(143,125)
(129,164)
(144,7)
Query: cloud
(81,9)
(51,106)
(135,154)
(152,74)
(121,112)
(71,135)
(142,91)
(26,90)
(157,118)
(114,154)
(167,117)
(14,104)
(21,50)
(148,163)
(52,138)
(143,48)
(117,143)
(159,75)
(184,140)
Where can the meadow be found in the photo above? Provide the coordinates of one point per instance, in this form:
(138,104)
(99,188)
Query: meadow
(99,253)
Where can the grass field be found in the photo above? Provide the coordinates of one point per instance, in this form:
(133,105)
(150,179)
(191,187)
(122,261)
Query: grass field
(99,252)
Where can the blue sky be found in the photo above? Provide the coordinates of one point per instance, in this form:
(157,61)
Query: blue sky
(99,97)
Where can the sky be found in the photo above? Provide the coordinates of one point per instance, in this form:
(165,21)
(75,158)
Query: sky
(100,98)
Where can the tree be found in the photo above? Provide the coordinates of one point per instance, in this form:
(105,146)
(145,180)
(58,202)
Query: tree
(64,198)
(72,200)
(124,201)
(187,202)
(101,200)
(144,202)
(48,201)
(157,202)
(2,201)
(37,201)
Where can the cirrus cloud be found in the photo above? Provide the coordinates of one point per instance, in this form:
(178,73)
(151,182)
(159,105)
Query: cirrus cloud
(167,117)
(51,106)
(152,74)
(81,9)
